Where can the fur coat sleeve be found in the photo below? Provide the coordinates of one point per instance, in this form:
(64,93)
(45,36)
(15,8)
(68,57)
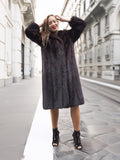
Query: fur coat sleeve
(33,33)
(77,27)
(61,85)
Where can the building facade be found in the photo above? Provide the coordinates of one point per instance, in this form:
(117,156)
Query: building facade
(98,49)
(17,56)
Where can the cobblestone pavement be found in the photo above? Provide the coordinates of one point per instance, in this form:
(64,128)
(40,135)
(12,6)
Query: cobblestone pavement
(100,130)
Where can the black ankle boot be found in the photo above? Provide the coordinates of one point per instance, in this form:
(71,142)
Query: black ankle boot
(56,138)
(77,140)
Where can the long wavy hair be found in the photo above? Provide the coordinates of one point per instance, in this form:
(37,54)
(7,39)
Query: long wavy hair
(45,32)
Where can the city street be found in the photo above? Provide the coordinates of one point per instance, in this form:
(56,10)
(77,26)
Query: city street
(26,130)
(53,41)
(100,126)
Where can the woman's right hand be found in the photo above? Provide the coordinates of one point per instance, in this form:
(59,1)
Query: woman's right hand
(59,18)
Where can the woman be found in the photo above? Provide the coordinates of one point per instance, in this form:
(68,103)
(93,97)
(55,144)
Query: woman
(60,79)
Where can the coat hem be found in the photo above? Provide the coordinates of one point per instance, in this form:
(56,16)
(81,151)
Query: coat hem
(63,107)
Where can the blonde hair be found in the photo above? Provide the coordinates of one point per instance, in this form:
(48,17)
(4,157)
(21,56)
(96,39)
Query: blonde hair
(45,32)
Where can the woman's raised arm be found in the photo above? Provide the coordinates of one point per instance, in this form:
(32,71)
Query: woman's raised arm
(33,32)
(77,27)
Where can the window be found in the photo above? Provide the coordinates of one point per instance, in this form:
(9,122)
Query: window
(84,5)
(107,55)
(99,55)
(91,1)
(9,4)
(85,41)
(85,58)
(90,38)
(90,57)
(90,35)
(107,50)
(79,9)
(99,29)
(119,22)
(8,43)
(79,59)
(84,37)
(106,20)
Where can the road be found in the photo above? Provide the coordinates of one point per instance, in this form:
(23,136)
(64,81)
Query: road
(100,126)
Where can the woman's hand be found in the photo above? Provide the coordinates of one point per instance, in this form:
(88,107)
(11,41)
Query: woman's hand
(59,18)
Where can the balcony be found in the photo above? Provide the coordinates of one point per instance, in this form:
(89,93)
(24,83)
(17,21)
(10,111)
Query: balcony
(96,8)
(28,10)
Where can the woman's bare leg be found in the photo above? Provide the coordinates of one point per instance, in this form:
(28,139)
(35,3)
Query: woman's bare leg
(75,115)
(54,117)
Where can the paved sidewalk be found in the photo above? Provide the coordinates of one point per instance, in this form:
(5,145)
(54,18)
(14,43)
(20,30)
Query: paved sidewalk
(38,145)
(18,103)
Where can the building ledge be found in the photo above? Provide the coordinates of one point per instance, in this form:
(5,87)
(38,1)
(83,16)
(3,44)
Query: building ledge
(27,9)
(96,7)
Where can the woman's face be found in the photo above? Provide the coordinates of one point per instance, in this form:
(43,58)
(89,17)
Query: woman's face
(52,24)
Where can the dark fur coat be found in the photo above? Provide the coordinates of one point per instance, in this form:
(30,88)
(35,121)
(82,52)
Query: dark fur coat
(60,79)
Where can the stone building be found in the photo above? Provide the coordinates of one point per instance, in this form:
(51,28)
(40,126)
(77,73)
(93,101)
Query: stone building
(17,56)
(98,49)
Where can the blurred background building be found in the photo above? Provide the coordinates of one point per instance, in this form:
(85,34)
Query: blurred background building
(98,49)
(17,57)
